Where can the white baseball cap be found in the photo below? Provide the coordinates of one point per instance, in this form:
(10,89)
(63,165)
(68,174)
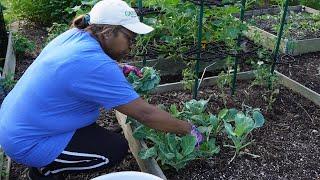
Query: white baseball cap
(117,12)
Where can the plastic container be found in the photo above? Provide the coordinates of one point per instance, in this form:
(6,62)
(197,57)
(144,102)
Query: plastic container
(130,175)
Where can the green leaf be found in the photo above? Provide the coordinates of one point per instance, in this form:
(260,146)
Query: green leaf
(174,111)
(258,118)
(172,142)
(204,129)
(196,107)
(232,113)
(222,113)
(229,129)
(243,124)
(188,144)
(214,121)
(147,83)
(140,132)
(148,153)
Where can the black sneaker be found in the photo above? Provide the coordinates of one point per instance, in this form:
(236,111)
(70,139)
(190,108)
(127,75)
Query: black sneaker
(34,174)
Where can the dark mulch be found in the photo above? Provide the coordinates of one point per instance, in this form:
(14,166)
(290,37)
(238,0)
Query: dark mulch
(288,143)
(305,69)
(298,30)
(107,120)
(36,34)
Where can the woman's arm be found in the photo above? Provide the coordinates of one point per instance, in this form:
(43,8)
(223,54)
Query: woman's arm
(153,117)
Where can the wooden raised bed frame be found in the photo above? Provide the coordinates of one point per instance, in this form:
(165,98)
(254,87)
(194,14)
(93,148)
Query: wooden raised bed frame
(268,40)
(150,165)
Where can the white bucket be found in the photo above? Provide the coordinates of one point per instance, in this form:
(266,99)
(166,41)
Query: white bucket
(131,175)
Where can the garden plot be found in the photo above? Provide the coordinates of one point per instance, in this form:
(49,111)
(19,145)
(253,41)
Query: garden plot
(305,69)
(285,147)
(301,33)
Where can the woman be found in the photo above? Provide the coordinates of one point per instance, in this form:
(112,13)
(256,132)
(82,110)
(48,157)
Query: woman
(47,121)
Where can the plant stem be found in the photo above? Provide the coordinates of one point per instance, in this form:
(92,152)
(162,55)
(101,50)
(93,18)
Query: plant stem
(253,155)
(234,156)
(230,146)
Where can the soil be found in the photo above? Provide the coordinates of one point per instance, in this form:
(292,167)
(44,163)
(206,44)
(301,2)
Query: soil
(305,69)
(288,143)
(36,34)
(268,22)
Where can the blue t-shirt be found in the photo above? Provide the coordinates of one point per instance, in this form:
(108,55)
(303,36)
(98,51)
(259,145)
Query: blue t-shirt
(60,92)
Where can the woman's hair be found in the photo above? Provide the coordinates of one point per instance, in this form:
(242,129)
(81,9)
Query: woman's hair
(82,22)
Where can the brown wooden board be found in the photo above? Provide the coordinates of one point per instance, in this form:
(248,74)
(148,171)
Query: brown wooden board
(268,40)
(5,165)
(149,165)
(299,88)
(10,61)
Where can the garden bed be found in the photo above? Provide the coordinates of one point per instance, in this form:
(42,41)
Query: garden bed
(287,144)
(303,35)
(305,69)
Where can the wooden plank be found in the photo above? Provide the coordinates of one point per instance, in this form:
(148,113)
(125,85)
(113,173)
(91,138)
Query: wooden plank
(2,159)
(299,88)
(149,165)
(8,167)
(264,38)
(178,86)
(310,10)
(306,46)
(10,61)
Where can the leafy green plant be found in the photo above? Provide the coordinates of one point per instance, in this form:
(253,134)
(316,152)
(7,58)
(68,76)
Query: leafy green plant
(238,125)
(188,76)
(55,30)
(8,82)
(311,3)
(43,12)
(22,44)
(147,83)
(172,150)
(82,7)
(264,78)
(223,81)
(168,148)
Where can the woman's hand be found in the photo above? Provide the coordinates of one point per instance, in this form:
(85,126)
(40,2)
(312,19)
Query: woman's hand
(128,68)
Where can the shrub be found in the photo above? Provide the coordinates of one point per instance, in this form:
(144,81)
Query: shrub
(22,44)
(311,3)
(43,12)
(55,30)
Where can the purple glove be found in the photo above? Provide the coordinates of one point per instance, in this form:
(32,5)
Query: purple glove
(127,69)
(196,133)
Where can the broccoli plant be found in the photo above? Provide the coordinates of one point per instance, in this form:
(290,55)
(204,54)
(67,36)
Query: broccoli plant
(169,149)
(238,125)
(172,150)
(147,83)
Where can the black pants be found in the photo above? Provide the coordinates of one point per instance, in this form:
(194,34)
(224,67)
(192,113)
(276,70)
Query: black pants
(91,148)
